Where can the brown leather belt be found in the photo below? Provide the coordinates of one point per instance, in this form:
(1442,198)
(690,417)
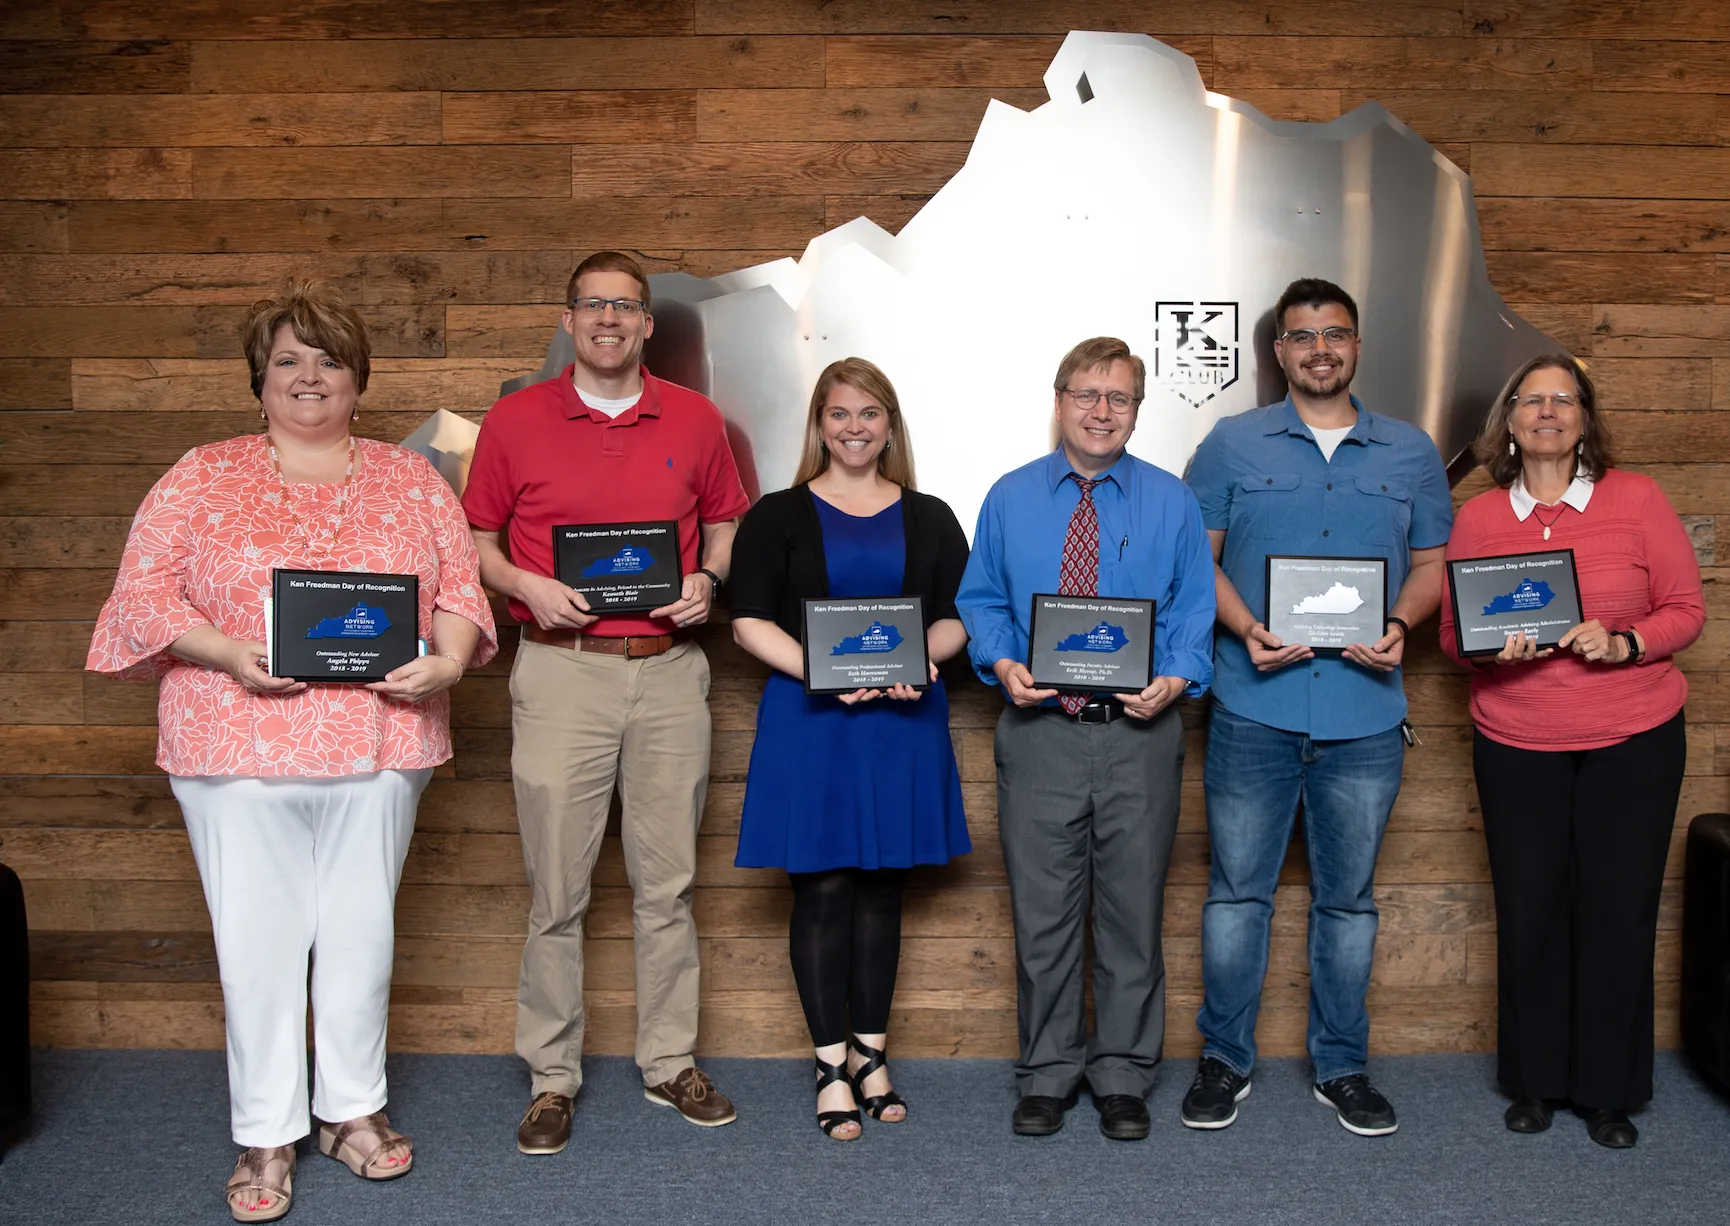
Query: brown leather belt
(632,647)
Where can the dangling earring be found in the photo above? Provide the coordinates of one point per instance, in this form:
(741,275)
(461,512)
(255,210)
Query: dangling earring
(354,414)
(887,443)
(1580,447)
(1512,450)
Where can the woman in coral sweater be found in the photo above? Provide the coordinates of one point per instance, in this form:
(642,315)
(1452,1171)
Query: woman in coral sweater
(1578,752)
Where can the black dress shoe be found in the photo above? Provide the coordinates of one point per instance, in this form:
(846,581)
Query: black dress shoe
(1038,1115)
(1612,1129)
(1527,1115)
(1122,1117)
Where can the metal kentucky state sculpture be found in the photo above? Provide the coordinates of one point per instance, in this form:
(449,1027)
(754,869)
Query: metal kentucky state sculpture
(1136,204)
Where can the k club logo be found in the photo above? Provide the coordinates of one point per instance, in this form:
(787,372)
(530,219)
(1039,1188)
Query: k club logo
(1195,354)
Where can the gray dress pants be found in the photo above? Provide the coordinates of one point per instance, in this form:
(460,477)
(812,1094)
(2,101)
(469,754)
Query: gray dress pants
(1087,813)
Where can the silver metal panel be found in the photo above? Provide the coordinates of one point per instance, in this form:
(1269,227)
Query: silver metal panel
(1134,203)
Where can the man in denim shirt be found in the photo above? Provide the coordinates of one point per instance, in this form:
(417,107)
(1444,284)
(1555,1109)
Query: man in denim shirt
(1316,474)
(1087,787)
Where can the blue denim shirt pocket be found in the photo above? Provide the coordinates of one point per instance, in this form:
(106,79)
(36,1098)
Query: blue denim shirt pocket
(1256,508)
(1389,516)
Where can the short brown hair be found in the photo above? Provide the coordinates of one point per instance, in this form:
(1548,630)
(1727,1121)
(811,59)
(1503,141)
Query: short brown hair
(895,461)
(1491,445)
(1099,353)
(321,317)
(608,261)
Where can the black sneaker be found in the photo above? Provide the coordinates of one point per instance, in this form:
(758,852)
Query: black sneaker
(1214,1095)
(1359,1105)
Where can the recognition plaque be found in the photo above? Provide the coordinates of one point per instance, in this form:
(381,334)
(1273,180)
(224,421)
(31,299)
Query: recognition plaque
(620,568)
(867,644)
(1493,597)
(340,625)
(1094,644)
(1327,604)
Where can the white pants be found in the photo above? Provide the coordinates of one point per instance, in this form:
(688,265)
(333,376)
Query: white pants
(293,866)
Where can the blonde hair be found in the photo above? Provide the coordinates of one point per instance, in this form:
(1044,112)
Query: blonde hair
(895,461)
(1491,445)
(321,317)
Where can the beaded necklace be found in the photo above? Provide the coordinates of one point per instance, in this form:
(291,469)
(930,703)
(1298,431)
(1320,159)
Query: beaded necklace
(312,546)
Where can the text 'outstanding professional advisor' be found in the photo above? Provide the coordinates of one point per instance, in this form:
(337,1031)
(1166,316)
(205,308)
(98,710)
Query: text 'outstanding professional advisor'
(1321,477)
(598,700)
(1087,786)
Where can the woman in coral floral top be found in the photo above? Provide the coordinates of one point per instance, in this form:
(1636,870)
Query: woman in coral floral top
(299,799)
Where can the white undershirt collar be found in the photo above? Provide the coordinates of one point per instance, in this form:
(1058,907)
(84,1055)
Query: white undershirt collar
(1579,493)
(612,408)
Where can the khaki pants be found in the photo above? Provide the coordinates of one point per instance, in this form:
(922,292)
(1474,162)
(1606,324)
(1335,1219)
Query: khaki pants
(580,721)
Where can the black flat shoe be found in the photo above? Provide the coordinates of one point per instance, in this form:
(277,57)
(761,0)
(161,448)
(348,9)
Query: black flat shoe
(1612,1129)
(1122,1117)
(1527,1115)
(1038,1115)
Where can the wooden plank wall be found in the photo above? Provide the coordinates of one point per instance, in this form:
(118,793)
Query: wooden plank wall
(162,164)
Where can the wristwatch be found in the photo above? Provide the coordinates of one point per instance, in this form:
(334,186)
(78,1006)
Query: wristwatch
(714,579)
(1627,636)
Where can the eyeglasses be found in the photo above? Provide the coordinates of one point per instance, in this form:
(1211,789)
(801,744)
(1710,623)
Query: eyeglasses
(1535,400)
(630,308)
(1088,398)
(1305,338)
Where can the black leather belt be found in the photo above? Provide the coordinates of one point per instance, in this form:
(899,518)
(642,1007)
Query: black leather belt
(1100,710)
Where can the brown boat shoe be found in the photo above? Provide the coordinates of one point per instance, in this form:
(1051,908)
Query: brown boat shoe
(546,1124)
(695,1097)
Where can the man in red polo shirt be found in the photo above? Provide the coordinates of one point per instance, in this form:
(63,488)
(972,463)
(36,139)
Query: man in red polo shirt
(602,700)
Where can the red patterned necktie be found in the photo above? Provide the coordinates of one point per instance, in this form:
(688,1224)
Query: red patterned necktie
(1078,573)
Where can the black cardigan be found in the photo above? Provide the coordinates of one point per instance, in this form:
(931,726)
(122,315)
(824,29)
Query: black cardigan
(778,558)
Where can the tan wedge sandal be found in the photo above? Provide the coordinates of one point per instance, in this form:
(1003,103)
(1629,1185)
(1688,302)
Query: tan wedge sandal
(389,1158)
(262,1186)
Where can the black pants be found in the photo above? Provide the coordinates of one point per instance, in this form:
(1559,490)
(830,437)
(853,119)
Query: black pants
(1577,846)
(845,943)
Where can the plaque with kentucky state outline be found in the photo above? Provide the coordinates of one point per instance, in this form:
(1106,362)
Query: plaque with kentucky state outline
(865,644)
(1091,644)
(340,625)
(1493,597)
(620,568)
(1326,603)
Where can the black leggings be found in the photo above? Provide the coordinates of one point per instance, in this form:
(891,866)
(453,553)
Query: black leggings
(845,943)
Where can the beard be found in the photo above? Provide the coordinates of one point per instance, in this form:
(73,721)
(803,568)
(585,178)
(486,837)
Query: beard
(1322,387)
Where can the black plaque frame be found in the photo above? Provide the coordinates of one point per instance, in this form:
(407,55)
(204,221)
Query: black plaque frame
(402,651)
(1069,686)
(594,587)
(1454,596)
(918,613)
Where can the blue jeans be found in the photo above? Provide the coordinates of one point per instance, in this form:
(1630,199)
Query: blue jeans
(1255,777)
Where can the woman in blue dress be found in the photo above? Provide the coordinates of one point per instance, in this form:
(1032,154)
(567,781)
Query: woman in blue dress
(847,792)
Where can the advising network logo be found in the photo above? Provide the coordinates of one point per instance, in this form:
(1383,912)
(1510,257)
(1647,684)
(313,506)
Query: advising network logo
(630,560)
(876,638)
(361,622)
(1104,637)
(1531,594)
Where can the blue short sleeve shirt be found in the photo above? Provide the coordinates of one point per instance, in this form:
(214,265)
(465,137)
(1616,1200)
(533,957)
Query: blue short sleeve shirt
(1261,478)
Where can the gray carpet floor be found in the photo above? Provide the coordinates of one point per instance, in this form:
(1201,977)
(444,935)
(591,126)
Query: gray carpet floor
(142,1137)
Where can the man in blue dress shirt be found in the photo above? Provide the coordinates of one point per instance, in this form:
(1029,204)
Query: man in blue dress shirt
(1087,787)
(1316,474)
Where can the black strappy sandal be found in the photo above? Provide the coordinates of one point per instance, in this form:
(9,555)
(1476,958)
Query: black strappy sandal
(877,1104)
(827,1075)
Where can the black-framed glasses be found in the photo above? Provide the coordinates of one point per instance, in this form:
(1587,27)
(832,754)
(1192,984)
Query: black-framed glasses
(1088,398)
(1305,338)
(630,308)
